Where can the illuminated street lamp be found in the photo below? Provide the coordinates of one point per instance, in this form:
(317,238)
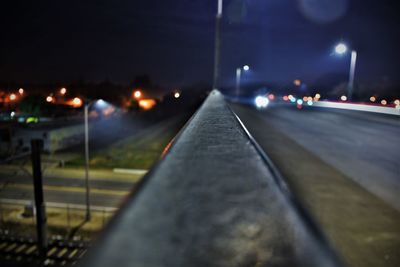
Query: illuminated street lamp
(21,91)
(238,77)
(341,49)
(63,91)
(100,103)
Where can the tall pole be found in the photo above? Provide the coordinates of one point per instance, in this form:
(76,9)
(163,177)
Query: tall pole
(217,44)
(238,74)
(41,221)
(88,217)
(350,87)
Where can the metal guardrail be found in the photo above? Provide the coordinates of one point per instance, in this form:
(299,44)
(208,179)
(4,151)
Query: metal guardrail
(214,199)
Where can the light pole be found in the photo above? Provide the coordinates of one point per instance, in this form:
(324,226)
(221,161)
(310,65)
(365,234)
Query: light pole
(342,49)
(238,77)
(86,114)
(101,104)
(217,44)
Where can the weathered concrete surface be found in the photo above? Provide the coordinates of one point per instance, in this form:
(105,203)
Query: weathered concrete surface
(363,228)
(210,202)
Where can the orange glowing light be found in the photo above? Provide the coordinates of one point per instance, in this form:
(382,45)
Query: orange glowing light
(271,96)
(147,104)
(384,102)
(77,102)
(317,96)
(21,91)
(397,102)
(285,98)
(137,94)
(13,97)
(297,82)
(49,99)
(372,99)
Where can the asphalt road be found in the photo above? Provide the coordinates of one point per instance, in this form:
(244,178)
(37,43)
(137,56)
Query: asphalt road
(104,193)
(344,168)
(364,146)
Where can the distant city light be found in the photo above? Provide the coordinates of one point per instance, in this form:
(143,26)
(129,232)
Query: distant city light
(63,91)
(261,102)
(297,82)
(21,91)
(49,99)
(397,102)
(310,102)
(343,98)
(177,95)
(246,67)
(271,96)
(305,98)
(340,49)
(13,97)
(384,102)
(285,98)
(77,102)
(299,102)
(292,98)
(147,104)
(372,99)
(137,94)
(317,96)
(12,114)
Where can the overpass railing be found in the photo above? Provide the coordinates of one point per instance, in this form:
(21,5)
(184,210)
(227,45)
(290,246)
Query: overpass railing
(214,199)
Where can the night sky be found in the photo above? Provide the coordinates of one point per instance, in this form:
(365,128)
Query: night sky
(173,40)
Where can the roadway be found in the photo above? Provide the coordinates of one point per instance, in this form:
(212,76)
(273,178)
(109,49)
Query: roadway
(344,168)
(104,192)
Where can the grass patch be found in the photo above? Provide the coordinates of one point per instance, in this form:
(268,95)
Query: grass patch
(137,152)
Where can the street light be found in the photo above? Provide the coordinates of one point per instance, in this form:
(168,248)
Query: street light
(341,49)
(238,76)
(101,104)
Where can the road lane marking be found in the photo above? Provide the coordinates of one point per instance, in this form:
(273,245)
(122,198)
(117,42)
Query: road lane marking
(6,201)
(71,189)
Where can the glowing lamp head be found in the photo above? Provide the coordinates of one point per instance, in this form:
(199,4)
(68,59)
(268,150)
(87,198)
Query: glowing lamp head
(21,91)
(246,67)
(101,103)
(63,91)
(13,97)
(137,94)
(340,49)
(343,98)
(177,95)
(49,99)
(77,102)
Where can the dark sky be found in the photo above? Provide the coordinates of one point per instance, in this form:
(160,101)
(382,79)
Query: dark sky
(173,40)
